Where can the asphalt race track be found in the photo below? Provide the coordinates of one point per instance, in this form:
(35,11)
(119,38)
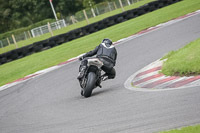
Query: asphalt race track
(51,103)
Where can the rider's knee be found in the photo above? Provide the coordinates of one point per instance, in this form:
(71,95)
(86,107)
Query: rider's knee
(111,76)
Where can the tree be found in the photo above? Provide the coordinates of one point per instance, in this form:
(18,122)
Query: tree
(20,13)
(68,7)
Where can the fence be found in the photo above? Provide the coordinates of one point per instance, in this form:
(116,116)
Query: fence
(99,9)
(79,16)
(9,40)
(44,29)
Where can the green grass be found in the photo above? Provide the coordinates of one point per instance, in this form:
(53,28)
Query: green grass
(183,62)
(190,129)
(30,64)
(74,26)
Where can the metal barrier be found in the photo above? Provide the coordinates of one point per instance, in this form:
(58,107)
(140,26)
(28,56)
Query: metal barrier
(44,29)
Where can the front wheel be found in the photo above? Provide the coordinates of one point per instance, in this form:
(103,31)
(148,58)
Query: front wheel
(90,85)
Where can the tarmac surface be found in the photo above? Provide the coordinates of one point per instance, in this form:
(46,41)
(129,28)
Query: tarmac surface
(51,103)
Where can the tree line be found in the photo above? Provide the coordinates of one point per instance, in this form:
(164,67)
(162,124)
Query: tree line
(21,13)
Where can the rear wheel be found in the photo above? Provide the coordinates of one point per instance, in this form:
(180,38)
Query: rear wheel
(90,85)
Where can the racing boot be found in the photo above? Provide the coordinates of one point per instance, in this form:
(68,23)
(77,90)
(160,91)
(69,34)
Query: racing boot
(103,78)
(81,72)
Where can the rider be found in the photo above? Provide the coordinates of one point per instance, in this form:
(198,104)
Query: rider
(106,53)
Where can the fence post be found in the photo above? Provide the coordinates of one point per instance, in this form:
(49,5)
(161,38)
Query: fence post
(29,34)
(49,28)
(128,2)
(25,35)
(97,11)
(8,41)
(115,5)
(74,21)
(64,23)
(41,31)
(121,5)
(93,13)
(14,40)
(86,17)
(58,24)
(109,6)
(1,44)
(32,31)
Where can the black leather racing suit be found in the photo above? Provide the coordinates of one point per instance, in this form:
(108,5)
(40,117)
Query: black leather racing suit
(107,54)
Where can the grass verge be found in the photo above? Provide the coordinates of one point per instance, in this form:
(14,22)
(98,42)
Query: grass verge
(74,26)
(183,62)
(30,64)
(190,129)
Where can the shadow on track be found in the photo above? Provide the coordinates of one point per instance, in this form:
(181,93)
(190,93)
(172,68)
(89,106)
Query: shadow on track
(101,91)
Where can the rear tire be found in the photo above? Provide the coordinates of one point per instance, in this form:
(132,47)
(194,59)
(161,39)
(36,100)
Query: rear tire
(90,84)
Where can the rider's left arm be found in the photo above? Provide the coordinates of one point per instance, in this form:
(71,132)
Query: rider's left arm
(91,53)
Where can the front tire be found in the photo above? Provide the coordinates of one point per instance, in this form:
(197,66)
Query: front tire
(90,85)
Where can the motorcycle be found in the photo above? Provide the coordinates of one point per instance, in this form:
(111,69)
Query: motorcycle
(92,77)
